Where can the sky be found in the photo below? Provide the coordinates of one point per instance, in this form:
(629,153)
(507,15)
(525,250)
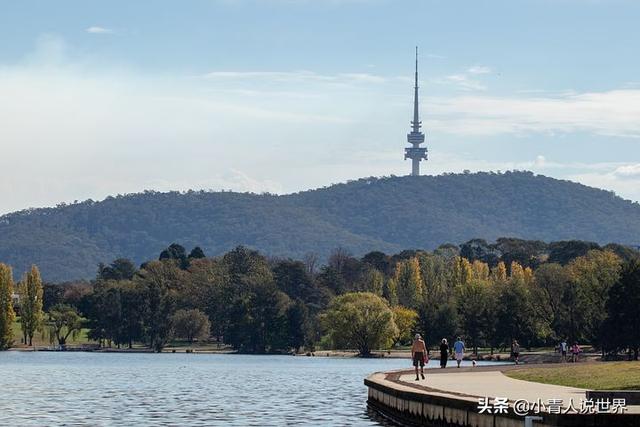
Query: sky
(114,97)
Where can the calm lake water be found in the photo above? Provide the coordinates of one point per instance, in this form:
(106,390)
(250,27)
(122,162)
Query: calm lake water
(94,389)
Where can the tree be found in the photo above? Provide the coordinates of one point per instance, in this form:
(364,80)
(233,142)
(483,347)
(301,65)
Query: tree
(378,260)
(472,303)
(293,279)
(408,283)
(7,315)
(461,272)
(31,298)
(177,253)
(119,269)
(208,288)
(434,271)
(298,325)
(564,252)
(515,317)
(64,321)
(360,320)
(372,280)
(405,320)
(437,322)
(621,329)
(551,299)
(258,318)
(592,276)
(197,253)
(390,291)
(479,249)
(159,281)
(116,312)
(191,324)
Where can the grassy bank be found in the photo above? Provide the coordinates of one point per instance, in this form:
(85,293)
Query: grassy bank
(593,376)
(41,338)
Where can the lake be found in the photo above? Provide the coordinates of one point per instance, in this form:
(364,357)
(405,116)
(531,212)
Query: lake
(98,389)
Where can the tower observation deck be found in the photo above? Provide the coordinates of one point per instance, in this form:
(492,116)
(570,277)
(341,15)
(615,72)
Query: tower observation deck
(415,137)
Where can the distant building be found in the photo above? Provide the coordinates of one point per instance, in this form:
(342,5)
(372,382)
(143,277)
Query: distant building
(415,137)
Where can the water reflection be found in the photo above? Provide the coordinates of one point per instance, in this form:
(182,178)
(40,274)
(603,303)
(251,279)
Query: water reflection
(93,389)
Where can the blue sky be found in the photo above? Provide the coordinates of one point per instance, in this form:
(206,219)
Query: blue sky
(98,98)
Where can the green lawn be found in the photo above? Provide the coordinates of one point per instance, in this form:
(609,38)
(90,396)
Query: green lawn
(592,376)
(42,339)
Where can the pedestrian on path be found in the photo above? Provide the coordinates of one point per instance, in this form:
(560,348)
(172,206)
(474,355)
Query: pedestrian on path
(563,350)
(458,348)
(515,349)
(575,352)
(419,355)
(444,353)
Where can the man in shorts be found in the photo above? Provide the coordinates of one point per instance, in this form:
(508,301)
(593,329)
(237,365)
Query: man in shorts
(458,348)
(419,355)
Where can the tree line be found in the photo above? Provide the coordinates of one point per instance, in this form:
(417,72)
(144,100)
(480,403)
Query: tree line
(67,241)
(264,305)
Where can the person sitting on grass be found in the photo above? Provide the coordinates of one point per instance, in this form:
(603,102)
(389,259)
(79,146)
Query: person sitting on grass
(419,355)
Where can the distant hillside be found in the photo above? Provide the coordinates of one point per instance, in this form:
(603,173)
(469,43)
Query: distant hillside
(386,214)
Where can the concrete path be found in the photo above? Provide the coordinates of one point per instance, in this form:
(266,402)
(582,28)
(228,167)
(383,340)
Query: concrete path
(471,383)
(495,384)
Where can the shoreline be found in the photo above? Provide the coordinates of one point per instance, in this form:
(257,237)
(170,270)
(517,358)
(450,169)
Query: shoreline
(525,359)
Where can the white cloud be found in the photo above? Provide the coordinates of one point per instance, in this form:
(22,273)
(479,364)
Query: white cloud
(479,69)
(628,171)
(463,81)
(627,187)
(99,30)
(104,131)
(296,76)
(610,113)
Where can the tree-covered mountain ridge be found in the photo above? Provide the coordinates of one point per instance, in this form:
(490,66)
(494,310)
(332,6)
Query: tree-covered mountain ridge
(386,214)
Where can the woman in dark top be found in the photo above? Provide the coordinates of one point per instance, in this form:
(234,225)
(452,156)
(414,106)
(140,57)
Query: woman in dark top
(444,353)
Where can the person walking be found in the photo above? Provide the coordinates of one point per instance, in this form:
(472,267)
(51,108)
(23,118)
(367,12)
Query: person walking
(575,352)
(515,349)
(563,350)
(419,355)
(458,348)
(444,353)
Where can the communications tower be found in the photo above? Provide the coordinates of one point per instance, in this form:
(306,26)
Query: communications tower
(415,137)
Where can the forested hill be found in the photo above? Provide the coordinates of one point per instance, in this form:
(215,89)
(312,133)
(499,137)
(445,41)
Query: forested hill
(386,214)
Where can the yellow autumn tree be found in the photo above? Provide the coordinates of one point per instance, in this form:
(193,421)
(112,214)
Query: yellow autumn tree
(408,282)
(7,315)
(480,270)
(517,273)
(30,292)
(499,273)
(405,320)
(461,272)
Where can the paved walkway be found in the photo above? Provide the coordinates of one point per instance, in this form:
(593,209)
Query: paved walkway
(474,383)
(495,384)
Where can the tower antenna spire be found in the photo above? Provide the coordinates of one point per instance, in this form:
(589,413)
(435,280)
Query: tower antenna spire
(415,137)
(416,115)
